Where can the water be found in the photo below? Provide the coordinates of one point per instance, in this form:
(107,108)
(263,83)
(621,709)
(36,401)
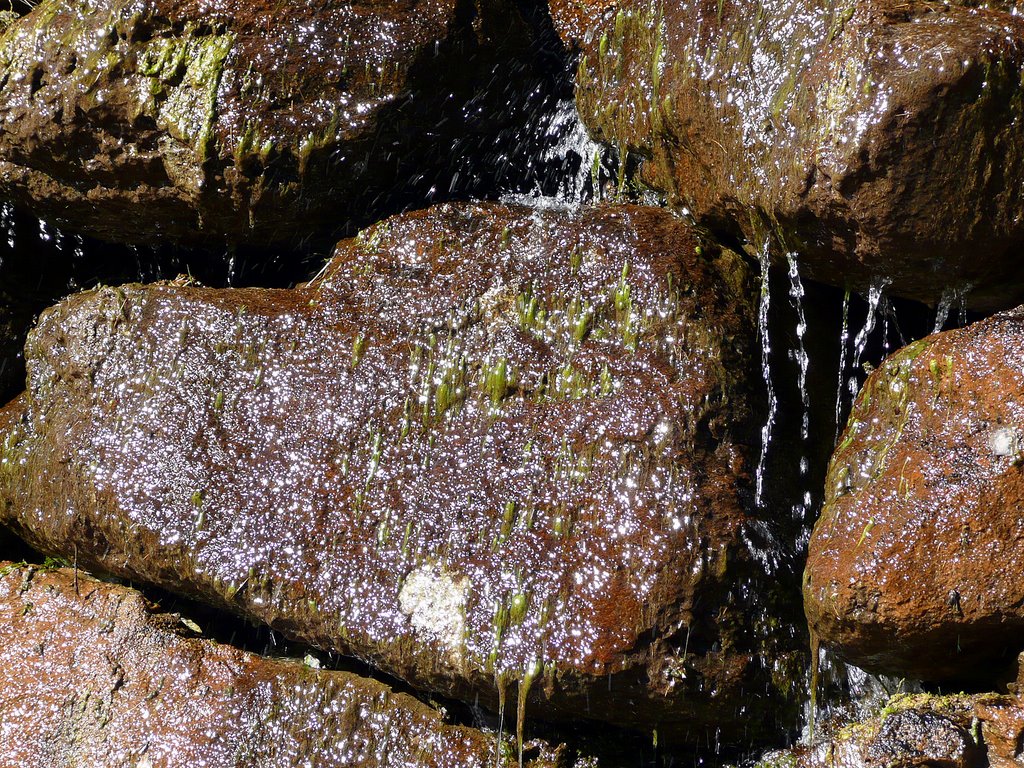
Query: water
(579,169)
(763,310)
(953,296)
(7,223)
(844,342)
(860,342)
(796,295)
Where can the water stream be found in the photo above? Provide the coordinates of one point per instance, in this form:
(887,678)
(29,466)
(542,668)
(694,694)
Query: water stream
(763,311)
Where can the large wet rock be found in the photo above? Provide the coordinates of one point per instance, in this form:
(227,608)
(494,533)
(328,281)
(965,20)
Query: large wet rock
(911,567)
(876,139)
(243,121)
(91,673)
(488,447)
(957,731)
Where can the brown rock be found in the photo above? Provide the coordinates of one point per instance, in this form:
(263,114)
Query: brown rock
(91,674)
(911,565)
(242,121)
(958,731)
(879,139)
(489,446)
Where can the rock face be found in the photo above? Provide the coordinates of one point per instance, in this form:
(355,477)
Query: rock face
(957,731)
(489,446)
(876,139)
(238,121)
(910,569)
(92,675)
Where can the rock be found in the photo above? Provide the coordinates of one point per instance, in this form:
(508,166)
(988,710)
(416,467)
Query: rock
(91,673)
(910,565)
(498,452)
(957,731)
(235,121)
(879,140)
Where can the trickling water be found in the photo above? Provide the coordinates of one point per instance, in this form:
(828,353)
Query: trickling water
(951,296)
(764,306)
(7,222)
(860,342)
(844,341)
(796,295)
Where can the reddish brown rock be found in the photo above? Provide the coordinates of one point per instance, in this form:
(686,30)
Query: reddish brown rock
(878,139)
(242,121)
(911,567)
(92,674)
(489,446)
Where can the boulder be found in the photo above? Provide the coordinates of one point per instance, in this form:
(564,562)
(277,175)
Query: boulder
(912,730)
(879,140)
(91,673)
(244,122)
(910,569)
(499,452)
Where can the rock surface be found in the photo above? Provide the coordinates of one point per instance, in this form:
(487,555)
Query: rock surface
(911,564)
(237,121)
(959,731)
(92,674)
(877,139)
(489,446)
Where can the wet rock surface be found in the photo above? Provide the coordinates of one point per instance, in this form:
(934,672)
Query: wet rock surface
(91,673)
(957,731)
(878,140)
(246,122)
(911,564)
(499,452)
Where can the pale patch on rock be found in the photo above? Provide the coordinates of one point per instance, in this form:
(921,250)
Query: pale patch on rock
(435,603)
(1004,441)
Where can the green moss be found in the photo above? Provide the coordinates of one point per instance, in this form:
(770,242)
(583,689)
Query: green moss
(186,73)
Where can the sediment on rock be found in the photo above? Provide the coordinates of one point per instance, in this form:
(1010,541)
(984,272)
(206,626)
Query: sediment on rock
(93,674)
(910,569)
(233,122)
(499,452)
(879,140)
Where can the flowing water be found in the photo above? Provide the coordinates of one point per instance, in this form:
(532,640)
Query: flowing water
(764,334)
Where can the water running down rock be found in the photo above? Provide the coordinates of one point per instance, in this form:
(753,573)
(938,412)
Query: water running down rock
(875,139)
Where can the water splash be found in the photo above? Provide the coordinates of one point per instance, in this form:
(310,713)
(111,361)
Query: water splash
(582,166)
(573,147)
(764,305)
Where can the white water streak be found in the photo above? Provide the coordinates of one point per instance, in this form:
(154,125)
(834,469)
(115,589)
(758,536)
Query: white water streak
(860,343)
(796,296)
(844,342)
(952,295)
(766,349)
